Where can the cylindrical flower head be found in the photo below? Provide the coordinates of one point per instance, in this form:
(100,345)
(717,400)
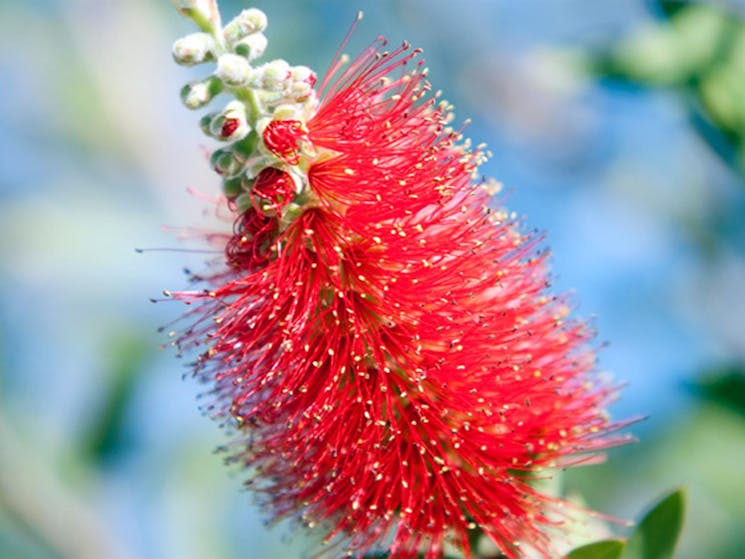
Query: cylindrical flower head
(383,341)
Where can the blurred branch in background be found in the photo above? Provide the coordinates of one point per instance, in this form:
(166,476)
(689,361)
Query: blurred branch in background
(723,386)
(105,438)
(54,516)
(696,50)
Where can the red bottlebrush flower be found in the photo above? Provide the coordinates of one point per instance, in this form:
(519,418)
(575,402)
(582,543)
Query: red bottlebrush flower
(282,137)
(387,349)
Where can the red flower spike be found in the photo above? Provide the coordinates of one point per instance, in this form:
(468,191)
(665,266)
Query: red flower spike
(281,137)
(272,190)
(391,358)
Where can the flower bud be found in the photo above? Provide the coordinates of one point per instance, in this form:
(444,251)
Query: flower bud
(232,187)
(196,95)
(246,23)
(226,162)
(230,125)
(194,49)
(272,76)
(303,74)
(232,69)
(286,111)
(252,47)
(205,122)
(303,81)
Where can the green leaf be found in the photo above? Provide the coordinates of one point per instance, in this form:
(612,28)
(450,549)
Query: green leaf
(606,549)
(106,437)
(657,533)
(725,386)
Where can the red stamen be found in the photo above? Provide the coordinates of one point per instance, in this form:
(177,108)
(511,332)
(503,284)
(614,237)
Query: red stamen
(229,126)
(272,190)
(282,137)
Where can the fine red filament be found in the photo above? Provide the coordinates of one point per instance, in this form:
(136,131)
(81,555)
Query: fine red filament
(272,189)
(282,137)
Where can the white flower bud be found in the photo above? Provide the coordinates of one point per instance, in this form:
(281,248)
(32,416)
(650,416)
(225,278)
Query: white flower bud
(230,125)
(197,94)
(272,76)
(300,91)
(303,81)
(233,69)
(246,23)
(287,111)
(252,47)
(303,74)
(193,49)
(261,124)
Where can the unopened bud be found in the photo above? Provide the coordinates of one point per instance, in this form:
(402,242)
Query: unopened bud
(232,186)
(287,111)
(196,95)
(303,81)
(232,69)
(300,91)
(272,76)
(252,47)
(246,23)
(244,202)
(303,74)
(205,122)
(226,162)
(194,49)
(230,125)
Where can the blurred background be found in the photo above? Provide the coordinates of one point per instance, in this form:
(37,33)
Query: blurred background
(618,127)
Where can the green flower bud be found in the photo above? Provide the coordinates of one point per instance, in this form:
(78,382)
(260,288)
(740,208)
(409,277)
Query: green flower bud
(246,23)
(226,162)
(230,125)
(272,76)
(196,95)
(243,202)
(205,122)
(252,47)
(232,69)
(232,186)
(194,49)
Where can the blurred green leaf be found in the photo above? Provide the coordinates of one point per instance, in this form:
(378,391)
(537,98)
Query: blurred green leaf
(724,386)
(671,7)
(699,52)
(657,533)
(606,549)
(671,53)
(106,436)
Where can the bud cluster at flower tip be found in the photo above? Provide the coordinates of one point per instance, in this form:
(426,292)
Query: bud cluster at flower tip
(264,123)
